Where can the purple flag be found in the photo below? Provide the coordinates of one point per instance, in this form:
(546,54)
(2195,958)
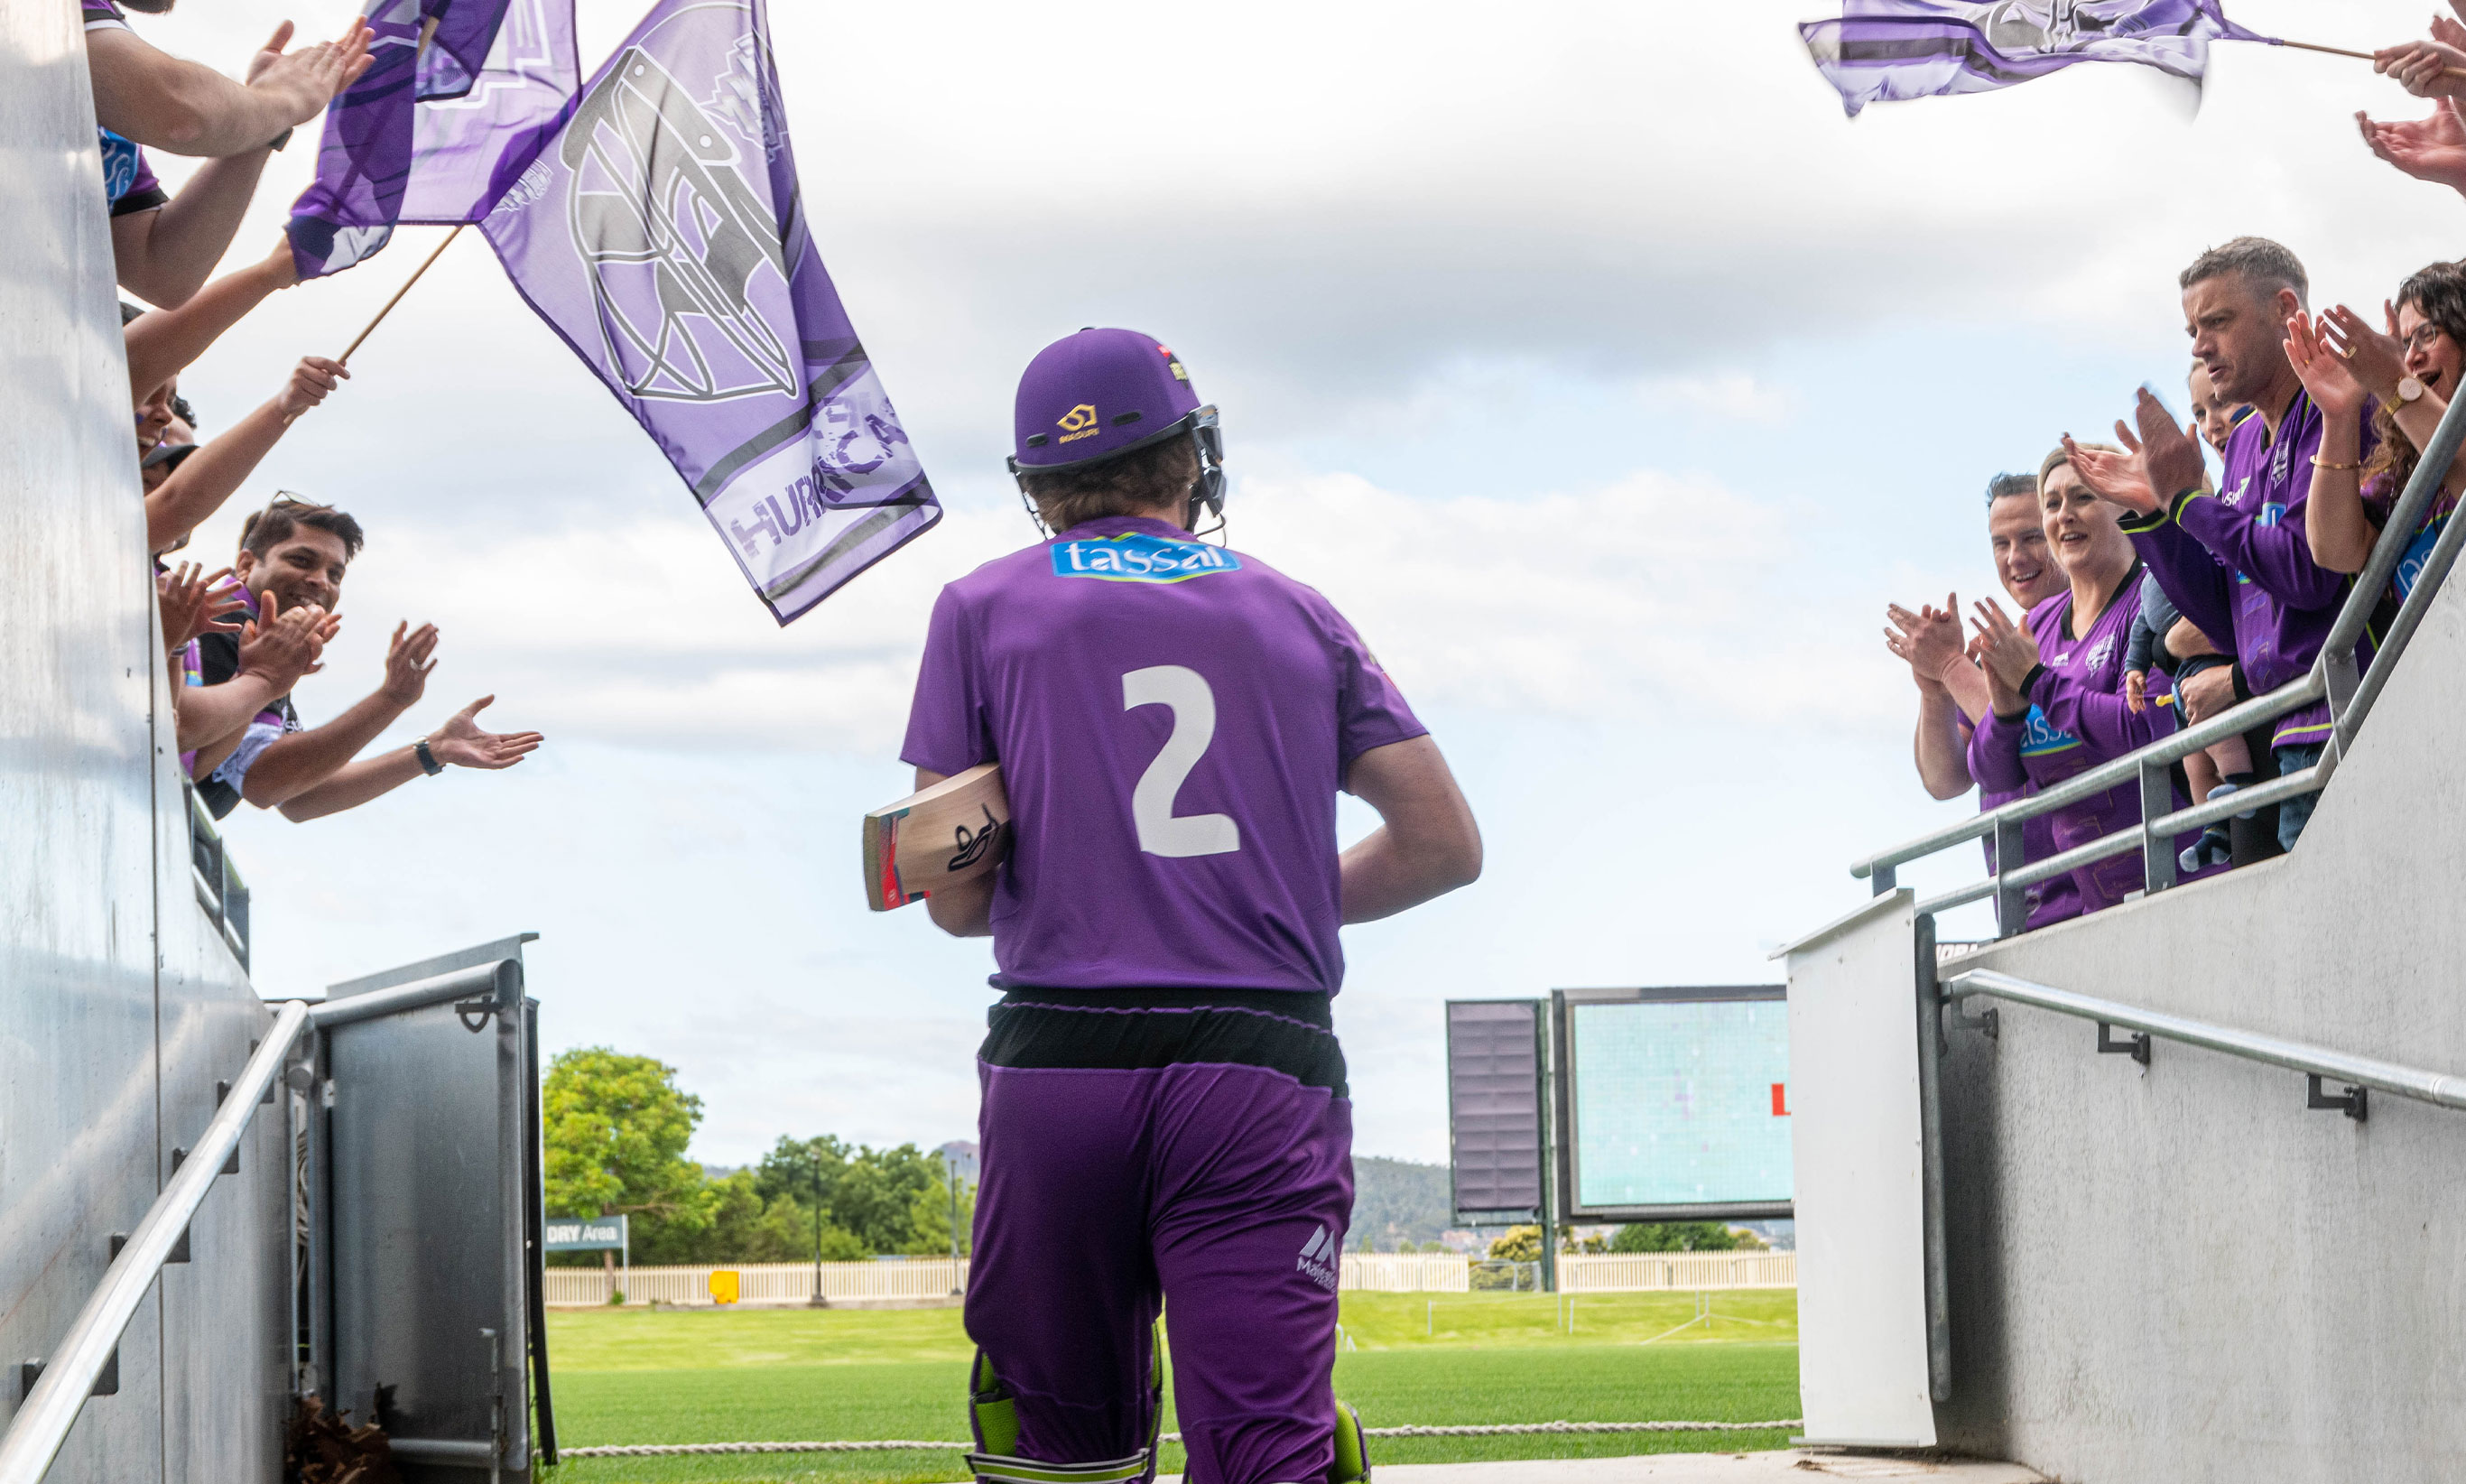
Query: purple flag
(435,134)
(661,235)
(1891,49)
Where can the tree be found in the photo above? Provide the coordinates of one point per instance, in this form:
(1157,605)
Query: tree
(1674,1237)
(616,1130)
(1520,1244)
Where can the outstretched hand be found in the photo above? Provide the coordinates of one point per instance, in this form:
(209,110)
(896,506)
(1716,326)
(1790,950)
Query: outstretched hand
(460,742)
(195,602)
(408,663)
(307,78)
(2113,476)
(310,381)
(2431,150)
(283,646)
(2170,457)
(2322,369)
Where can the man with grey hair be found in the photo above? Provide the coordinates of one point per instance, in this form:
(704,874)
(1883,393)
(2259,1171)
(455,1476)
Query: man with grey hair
(2239,562)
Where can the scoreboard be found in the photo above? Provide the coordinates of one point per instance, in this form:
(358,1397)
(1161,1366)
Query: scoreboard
(1673,1103)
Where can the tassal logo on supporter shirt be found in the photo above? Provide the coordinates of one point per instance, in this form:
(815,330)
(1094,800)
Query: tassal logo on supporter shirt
(2040,737)
(1137,557)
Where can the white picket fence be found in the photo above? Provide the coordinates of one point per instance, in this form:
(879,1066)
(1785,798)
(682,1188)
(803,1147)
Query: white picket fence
(760,1284)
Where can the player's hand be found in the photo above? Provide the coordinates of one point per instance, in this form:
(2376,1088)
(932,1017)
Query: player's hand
(2007,651)
(310,381)
(462,743)
(408,661)
(2135,689)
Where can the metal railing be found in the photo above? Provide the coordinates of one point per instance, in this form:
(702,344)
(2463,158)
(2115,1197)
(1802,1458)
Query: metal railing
(2335,677)
(220,890)
(69,1376)
(2318,1064)
(50,1408)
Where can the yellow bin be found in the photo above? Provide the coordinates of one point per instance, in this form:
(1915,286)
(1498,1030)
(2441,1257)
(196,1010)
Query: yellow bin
(722,1285)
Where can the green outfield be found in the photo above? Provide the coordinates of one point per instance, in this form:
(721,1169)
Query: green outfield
(639,1376)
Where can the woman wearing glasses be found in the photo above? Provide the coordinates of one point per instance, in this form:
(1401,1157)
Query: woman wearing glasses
(2411,374)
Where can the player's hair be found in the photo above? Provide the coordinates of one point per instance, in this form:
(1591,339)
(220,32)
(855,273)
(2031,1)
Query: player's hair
(279,521)
(1155,478)
(2261,263)
(2439,293)
(2004,487)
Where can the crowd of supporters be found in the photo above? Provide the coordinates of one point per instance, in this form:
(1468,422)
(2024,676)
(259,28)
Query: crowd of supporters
(2137,612)
(2148,596)
(240,638)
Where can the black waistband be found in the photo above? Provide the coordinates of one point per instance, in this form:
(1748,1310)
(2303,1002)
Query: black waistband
(1280,1030)
(1298,1004)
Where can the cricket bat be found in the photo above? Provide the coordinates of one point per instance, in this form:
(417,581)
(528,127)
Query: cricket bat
(955,831)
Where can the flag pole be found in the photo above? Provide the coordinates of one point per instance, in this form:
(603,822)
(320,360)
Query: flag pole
(2340,50)
(346,356)
(427,33)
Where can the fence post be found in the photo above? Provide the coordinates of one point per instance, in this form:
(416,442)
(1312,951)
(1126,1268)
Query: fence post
(2157,798)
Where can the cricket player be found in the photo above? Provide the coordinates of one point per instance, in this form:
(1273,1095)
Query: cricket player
(1165,1122)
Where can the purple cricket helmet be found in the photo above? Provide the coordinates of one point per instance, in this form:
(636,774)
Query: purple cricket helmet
(1101,393)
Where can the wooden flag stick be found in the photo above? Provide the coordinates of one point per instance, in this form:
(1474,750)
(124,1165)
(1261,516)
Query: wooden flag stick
(2340,50)
(346,356)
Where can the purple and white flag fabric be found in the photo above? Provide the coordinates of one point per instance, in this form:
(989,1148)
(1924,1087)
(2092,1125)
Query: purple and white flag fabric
(435,134)
(1886,51)
(660,233)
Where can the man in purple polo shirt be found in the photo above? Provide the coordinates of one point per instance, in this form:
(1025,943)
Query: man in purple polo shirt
(2238,562)
(1165,1115)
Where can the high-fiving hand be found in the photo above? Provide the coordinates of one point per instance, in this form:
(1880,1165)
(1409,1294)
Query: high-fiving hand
(1928,640)
(409,658)
(2322,369)
(2007,650)
(197,602)
(2431,150)
(306,80)
(460,742)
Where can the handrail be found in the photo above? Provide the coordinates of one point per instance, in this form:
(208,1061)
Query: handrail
(2333,676)
(490,979)
(2426,1087)
(50,1408)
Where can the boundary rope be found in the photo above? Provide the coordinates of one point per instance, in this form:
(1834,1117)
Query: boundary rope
(905,1445)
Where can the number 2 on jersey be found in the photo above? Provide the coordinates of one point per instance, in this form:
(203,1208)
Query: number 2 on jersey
(1161,831)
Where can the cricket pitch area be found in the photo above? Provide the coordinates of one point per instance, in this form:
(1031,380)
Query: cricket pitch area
(636,1376)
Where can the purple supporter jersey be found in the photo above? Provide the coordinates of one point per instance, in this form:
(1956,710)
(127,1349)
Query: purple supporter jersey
(1173,722)
(2240,563)
(2077,719)
(2379,502)
(102,16)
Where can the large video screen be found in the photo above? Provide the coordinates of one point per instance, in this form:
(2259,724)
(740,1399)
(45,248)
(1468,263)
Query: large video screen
(1679,1099)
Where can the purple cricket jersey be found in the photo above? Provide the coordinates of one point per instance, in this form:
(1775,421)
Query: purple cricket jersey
(2049,901)
(2077,719)
(2239,562)
(1174,721)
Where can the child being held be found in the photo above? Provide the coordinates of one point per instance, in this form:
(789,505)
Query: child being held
(2160,636)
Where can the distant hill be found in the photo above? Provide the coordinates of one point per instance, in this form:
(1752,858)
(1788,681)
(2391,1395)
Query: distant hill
(1397,1200)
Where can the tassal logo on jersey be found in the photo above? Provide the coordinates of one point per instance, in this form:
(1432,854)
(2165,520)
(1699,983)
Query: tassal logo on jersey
(1320,1258)
(2040,737)
(1135,556)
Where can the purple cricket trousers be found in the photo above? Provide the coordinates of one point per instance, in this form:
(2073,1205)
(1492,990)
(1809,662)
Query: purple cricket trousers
(1184,1148)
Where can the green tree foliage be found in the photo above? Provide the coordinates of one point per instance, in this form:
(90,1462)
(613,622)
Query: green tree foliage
(617,1128)
(1520,1244)
(1675,1237)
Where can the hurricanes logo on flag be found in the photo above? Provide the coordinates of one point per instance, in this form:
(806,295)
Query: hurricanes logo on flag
(674,237)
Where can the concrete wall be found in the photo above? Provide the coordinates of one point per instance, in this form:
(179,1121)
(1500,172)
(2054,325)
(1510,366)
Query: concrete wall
(2181,1273)
(119,1008)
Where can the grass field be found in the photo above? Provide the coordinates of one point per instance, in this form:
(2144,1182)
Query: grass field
(639,1376)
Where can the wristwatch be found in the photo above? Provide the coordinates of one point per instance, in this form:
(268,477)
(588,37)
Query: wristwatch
(428,763)
(2408,389)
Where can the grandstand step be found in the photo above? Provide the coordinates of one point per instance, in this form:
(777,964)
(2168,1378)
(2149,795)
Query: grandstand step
(1795,1466)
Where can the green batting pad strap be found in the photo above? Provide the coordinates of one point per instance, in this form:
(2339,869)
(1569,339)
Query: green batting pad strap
(995,1466)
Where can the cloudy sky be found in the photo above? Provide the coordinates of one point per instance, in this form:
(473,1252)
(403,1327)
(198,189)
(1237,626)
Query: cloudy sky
(1585,354)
